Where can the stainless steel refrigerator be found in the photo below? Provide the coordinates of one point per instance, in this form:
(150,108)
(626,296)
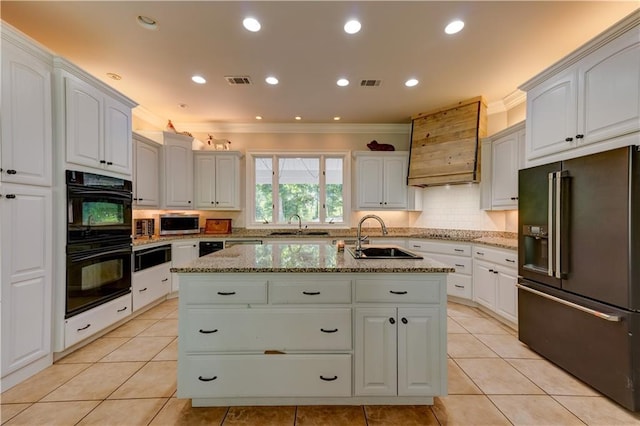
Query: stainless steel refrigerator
(579,268)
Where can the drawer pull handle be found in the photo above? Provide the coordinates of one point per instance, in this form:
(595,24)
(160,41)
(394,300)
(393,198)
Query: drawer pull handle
(335,330)
(459,265)
(208,331)
(204,379)
(480,253)
(458,286)
(397,292)
(416,246)
(510,260)
(84,328)
(458,250)
(122,310)
(226,293)
(311,293)
(165,280)
(329,379)
(141,290)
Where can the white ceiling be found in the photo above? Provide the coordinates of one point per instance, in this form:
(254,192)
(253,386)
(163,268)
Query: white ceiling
(502,45)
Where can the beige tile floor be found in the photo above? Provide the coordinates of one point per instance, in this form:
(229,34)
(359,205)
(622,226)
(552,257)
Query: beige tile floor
(128,377)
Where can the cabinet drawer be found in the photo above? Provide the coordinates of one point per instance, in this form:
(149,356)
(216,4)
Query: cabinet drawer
(426,290)
(501,257)
(256,329)
(462,264)
(459,285)
(150,284)
(217,289)
(90,322)
(440,247)
(310,292)
(209,376)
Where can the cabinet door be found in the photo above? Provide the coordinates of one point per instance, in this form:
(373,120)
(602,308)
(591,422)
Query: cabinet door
(609,91)
(418,349)
(26,274)
(84,121)
(504,176)
(182,253)
(484,284)
(552,116)
(118,150)
(205,181)
(370,174)
(147,177)
(26,123)
(507,293)
(178,174)
(376,351)
(226,182)
(395,183)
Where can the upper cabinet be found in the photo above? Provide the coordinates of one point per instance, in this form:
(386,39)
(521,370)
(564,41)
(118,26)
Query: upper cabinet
(177,176)
(381,180)
(502,157)
(26,112)
(217,180)
(589,101)
(146,172)
(97,122)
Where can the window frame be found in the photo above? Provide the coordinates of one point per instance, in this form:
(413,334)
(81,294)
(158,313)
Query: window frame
(276,156)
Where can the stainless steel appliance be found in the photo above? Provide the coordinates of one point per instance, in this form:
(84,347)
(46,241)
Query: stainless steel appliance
(179,224)
(150,257)
(98,240)
(579,267)
(144,228)
(208,247)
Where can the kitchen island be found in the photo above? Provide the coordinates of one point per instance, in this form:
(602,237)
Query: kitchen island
(297,324)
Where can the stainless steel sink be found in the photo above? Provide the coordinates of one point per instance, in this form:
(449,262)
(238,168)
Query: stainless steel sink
(284,233)
(316,233)
(383,252)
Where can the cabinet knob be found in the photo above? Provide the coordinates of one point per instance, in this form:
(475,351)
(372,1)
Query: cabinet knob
(579,136)
(103,161)
(491,270)
(404,320)
(568,139)
(495,272)
(189,201)
(140,199)
(10,196)
(109,163)
(392,320)
(514,198)
(11,172)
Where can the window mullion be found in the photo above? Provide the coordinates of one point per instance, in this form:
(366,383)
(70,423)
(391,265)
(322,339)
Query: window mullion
(323,193)
(276,189)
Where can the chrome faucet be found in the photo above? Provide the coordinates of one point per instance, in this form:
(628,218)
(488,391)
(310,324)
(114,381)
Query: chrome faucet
(299,222)
(360,239)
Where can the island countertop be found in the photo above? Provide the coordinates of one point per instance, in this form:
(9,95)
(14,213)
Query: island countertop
(303,257)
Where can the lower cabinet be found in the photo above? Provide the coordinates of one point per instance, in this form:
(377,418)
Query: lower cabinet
(494,281)
(182,253)
(150,284)
(83,325)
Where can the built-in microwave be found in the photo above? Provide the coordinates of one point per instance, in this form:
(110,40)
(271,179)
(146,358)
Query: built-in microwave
(177,224)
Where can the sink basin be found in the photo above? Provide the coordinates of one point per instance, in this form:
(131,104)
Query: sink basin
(390,252)
(276,233)
(315,233)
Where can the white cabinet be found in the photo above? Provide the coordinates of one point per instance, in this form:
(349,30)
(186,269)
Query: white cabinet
(217,180)
(26,244)
(26,151)
(579,105)
(86,324)
(96,121)
(381,181)
(502,157)
(455,255)
(495,276)
(150,284)
(177,175)
(182,253)
(146,172)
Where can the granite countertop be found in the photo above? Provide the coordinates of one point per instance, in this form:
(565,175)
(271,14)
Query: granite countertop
(506,240)
(303,257)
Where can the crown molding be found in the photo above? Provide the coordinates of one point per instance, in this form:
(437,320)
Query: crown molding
(512,100)
(146,115)
(295,128)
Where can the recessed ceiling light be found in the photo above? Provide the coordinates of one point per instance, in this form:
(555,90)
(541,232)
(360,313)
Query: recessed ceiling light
(183,105)
(342,82)
(114,76)
(411,82)
(336,118)
(352,27)
(147,22)
(198,79)
(251,24)
(258,117)
(271,80)
(454,27)
(298,117)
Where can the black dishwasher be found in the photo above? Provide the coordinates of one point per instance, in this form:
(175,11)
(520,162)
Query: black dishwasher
(208,247)
(147,258)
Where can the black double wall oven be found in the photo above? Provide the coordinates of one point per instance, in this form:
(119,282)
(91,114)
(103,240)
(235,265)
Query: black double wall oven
(99,248)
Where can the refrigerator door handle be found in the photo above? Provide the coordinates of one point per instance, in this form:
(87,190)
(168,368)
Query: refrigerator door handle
(551,228)
(601,315)
(558,241)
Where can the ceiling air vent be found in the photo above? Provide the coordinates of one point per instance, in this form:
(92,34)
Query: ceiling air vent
(235,80)
(370,83)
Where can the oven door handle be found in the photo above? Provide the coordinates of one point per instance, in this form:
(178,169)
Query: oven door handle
(111,194)
(83,257)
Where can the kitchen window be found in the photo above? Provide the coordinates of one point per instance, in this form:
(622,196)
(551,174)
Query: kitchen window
(313,186)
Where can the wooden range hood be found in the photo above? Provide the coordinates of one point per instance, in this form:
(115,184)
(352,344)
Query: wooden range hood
(444,144)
